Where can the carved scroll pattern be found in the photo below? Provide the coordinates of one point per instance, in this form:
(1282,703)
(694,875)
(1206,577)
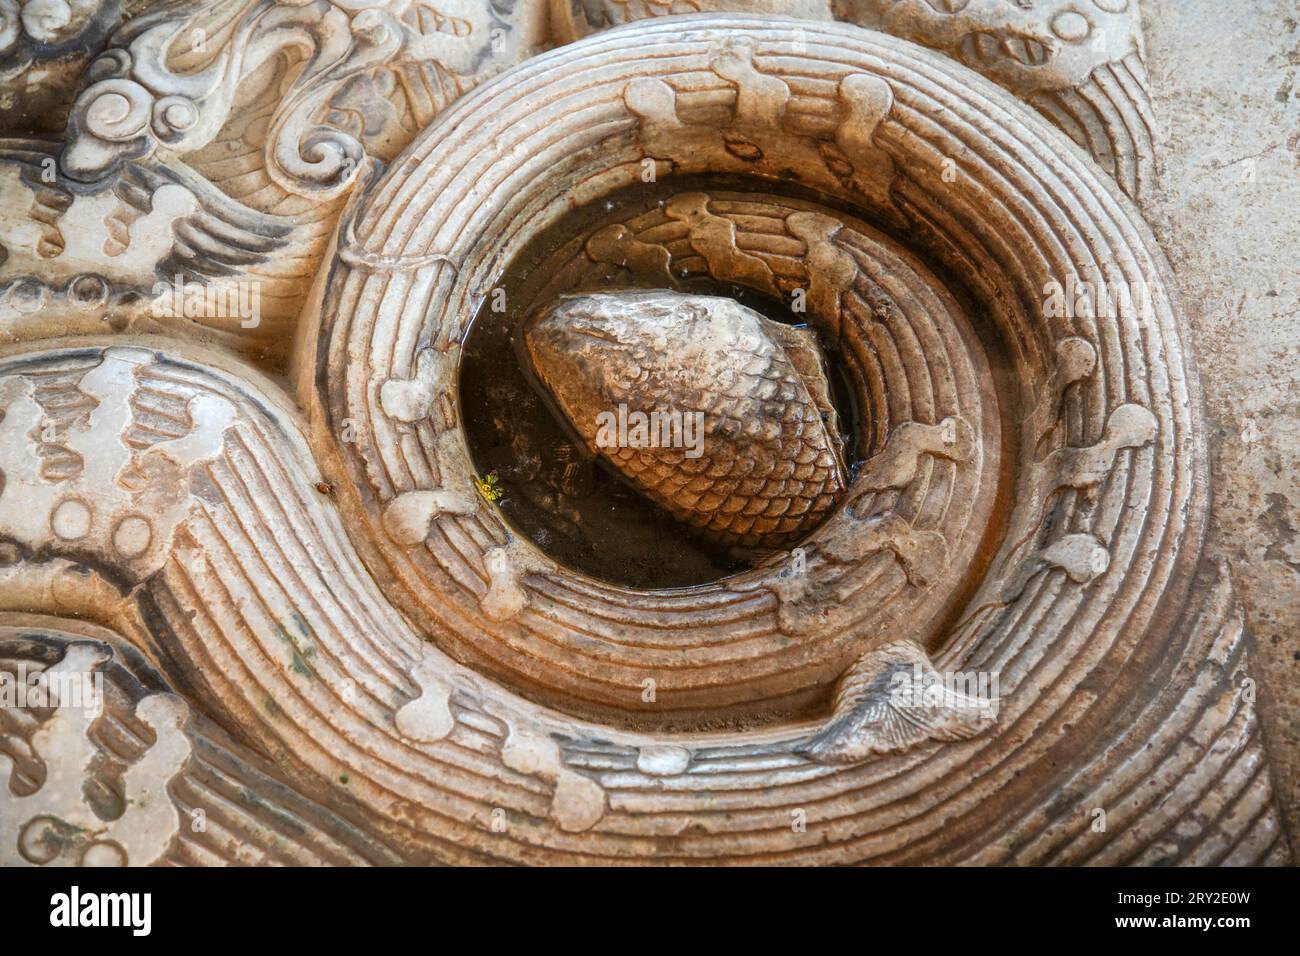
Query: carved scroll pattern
(140,778)
(217,143)
(264,610)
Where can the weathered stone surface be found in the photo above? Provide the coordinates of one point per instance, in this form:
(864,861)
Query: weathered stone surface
(1229,186)
(1011,620)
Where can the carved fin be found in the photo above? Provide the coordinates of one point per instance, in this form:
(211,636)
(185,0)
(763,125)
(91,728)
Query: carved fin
(809,361)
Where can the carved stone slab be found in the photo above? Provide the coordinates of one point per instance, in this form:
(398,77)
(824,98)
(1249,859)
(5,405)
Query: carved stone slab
(258,529)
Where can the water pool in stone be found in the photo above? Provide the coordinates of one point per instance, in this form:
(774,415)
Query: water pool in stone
(574,508)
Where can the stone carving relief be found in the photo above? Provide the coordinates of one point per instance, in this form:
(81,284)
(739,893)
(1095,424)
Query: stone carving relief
(274,545)
(127,774)
(209,152)
(1078,63)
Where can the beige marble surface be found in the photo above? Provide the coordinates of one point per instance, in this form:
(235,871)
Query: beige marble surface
(1227,211)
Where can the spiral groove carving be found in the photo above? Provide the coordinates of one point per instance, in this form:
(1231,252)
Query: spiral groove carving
(337,591)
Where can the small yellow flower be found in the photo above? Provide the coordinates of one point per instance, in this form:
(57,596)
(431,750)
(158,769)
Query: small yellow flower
(489,486)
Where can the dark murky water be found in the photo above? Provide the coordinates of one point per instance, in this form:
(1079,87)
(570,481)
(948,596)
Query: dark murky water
(573,507)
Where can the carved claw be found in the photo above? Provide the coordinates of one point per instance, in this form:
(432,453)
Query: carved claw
(891,699)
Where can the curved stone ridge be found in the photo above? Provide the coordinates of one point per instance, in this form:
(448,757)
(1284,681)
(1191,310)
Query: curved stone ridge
(264,612)
(220,549)
(1123,462)
(863,127)
(759,636)
(187,796)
